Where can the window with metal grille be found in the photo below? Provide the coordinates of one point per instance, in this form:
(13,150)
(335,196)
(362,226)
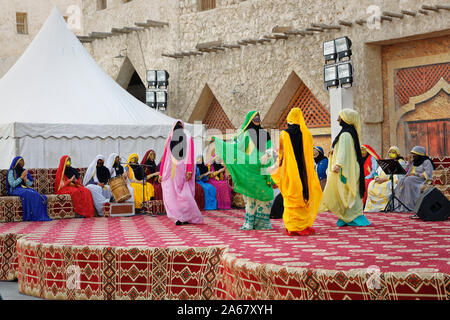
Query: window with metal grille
(101,4)
(204,5)
(21,23)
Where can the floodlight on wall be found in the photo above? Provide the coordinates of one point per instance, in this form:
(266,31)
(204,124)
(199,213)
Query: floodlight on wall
(343,46)
(150,98)
(345,74)
(162,78)
(161,100)
(151,78)
(329,51)
(330,76)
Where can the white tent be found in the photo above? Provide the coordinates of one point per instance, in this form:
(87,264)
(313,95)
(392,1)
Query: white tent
(56,100)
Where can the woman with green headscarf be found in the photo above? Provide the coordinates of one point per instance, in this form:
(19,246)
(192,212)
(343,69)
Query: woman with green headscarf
(242,158)
(345,186)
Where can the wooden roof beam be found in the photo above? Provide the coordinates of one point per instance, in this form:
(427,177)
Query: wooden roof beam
(262,40)
(314,29)
(117,30)
(275,36)
(207,45)
(155,23)
(345,23)
(85,39)
(442,6)
(430,8)
(325,26)
(409,13)
(393,14)
(100,35)
(131,29)
(231,45)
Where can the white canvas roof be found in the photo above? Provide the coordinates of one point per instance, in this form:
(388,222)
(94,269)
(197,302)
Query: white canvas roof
(56,92)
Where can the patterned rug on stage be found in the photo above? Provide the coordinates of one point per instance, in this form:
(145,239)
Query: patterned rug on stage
(393,242)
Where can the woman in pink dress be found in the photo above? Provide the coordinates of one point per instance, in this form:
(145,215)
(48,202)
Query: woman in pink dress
(220,182)
(177,178)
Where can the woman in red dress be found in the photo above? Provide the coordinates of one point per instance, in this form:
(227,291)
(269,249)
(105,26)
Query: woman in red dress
(68,181)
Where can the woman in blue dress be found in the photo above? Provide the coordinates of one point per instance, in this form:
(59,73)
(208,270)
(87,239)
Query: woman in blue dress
(321,164)
(202,174)
(19,182)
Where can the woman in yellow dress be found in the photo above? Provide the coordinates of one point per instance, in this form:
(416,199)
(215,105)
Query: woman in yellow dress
(380,188)
(136,176)
(296,177)
(345,181)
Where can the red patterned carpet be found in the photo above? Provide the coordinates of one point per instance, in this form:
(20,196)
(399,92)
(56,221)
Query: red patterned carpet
(393,243)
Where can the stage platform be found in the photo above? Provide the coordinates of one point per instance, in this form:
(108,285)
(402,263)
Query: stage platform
(146,257)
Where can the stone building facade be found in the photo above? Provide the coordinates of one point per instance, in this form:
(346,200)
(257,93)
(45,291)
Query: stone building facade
(226,57)
(15,39)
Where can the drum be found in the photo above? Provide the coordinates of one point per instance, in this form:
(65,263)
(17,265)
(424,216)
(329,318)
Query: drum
(119,189)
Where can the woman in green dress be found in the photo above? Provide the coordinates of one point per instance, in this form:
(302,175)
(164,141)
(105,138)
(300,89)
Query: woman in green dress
(242,157)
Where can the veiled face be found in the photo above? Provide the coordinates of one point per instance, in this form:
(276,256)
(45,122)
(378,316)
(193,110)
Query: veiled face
(134,160)
(363,152)
(257,120)
(117,160)
(315,153)
(100,163)
(21,163)
(152,156)
(68,162)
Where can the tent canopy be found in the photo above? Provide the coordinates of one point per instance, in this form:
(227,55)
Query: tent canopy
(56,100)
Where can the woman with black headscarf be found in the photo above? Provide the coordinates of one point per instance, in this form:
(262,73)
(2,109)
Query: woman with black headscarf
(345,182)
(296,178)
(321,165)
(419,173)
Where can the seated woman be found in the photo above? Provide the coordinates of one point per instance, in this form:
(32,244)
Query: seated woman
(220,182)
(321,165)
(409,187)
(136,175)
(18,183)
(67,181)
(202,175)
(96,180)
(116,169)
(152,172)
(379,189)
(370,158)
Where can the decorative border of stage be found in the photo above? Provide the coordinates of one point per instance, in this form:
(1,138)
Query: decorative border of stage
(243,280)
(128,273)
(116,273)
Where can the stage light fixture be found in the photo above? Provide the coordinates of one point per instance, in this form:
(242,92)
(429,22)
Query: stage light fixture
(343,46)
(345,74)
(329,51)
(162,77)
(161,100)
(330,76)
(150,98)
(151,78)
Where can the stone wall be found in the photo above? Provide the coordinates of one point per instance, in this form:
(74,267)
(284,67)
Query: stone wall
(12,44)
(251,77)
